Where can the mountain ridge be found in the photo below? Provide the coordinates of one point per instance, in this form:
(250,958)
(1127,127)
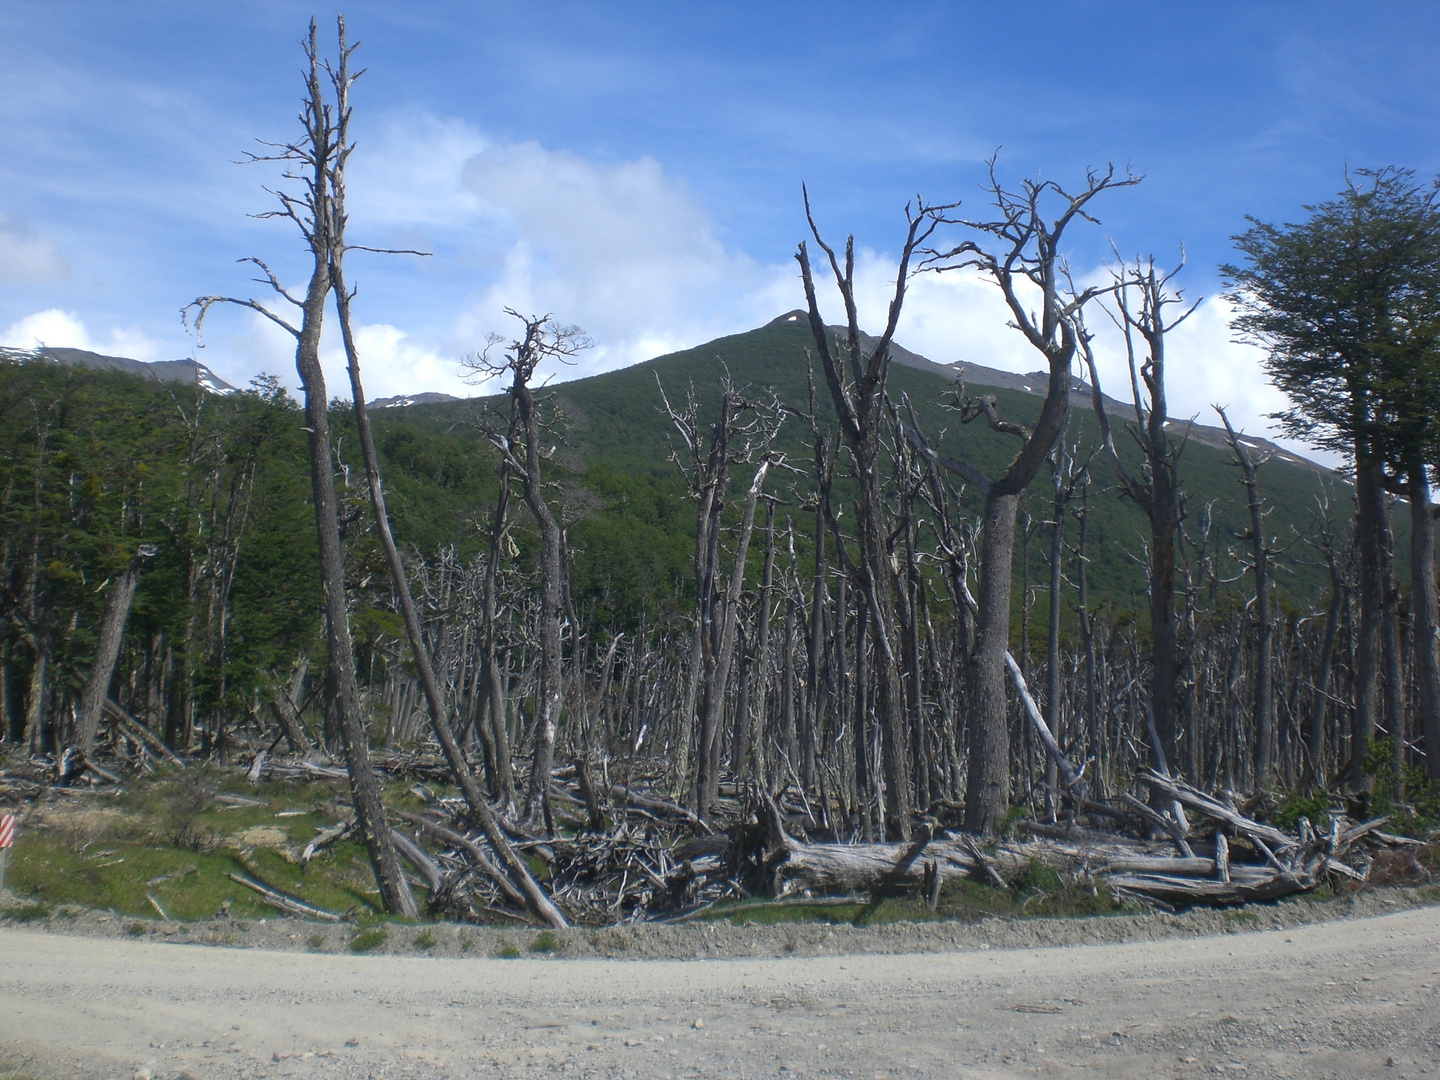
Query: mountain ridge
(188,372)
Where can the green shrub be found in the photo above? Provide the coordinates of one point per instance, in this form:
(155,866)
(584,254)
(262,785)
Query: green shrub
(545,942)
(366,940)
(1407,797)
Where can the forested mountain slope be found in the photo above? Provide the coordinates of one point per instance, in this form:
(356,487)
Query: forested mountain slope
(615,438)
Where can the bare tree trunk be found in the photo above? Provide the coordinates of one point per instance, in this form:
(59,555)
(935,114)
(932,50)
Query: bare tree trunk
(756,711)
(1263,701)
(1392,652)
(859,397)
(1053,710)
(542,340)
(707,780)
(107,650)
(479,811)
(987,795)
(1424,603)
(1369,509)
(503,780)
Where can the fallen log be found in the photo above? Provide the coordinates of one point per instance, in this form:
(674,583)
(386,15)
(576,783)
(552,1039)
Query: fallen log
(286,903)
(424,865)
(325,839)
(1197,800)
(659,807)
(140,731)
(476,853)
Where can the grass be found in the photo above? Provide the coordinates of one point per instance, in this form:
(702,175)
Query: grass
(425,939)
(29,912)
(508,951)
(175,836)
(369,939)
(545,942)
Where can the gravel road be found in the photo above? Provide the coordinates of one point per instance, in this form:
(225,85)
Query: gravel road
(1348,998)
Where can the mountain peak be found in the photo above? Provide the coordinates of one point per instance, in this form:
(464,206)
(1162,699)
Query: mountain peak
(188,372)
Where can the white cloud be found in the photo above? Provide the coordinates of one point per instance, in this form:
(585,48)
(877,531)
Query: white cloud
(133,342)
(26,256)
(390,363)
(959,316)
(621,249)
(59,329)
(53,327)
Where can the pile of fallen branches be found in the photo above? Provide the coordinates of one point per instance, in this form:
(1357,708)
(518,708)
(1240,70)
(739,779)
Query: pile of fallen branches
(618,852)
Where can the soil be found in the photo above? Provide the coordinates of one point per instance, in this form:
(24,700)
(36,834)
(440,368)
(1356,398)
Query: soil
(1338,989)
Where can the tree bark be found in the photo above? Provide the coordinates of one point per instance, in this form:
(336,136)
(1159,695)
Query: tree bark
(1368,529)
(1424,603)
(113,616)
(987,795)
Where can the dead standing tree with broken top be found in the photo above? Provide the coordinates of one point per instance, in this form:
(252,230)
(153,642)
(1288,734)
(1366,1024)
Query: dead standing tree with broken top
(308,162)
(542,340)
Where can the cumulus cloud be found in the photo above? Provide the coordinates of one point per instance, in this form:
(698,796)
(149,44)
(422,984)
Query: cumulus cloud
(620,248)
(53,327)
(26,256)
(390,363)
(66,330)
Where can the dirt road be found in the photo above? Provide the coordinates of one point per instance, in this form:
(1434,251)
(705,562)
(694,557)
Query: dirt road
(1352,998)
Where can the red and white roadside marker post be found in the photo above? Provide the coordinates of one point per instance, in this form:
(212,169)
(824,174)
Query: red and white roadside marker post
(7,837)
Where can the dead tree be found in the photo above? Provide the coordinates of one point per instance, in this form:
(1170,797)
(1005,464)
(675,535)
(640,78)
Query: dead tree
(859,396)
(707,475)
(113,615)
(730,442)
(309,160)
(542,340)
(1157,490)
(1263,702)
(1066,475)
(479,809)
(1027,255)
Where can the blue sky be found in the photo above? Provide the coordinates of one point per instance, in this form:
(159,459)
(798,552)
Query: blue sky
(636,167)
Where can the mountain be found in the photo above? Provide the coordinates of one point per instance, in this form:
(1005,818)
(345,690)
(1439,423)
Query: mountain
(614,467)
(974,375)
(1035,384)
(174,371)
(401,401)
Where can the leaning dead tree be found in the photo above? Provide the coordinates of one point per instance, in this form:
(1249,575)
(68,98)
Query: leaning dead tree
(308,162)
(479,810)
